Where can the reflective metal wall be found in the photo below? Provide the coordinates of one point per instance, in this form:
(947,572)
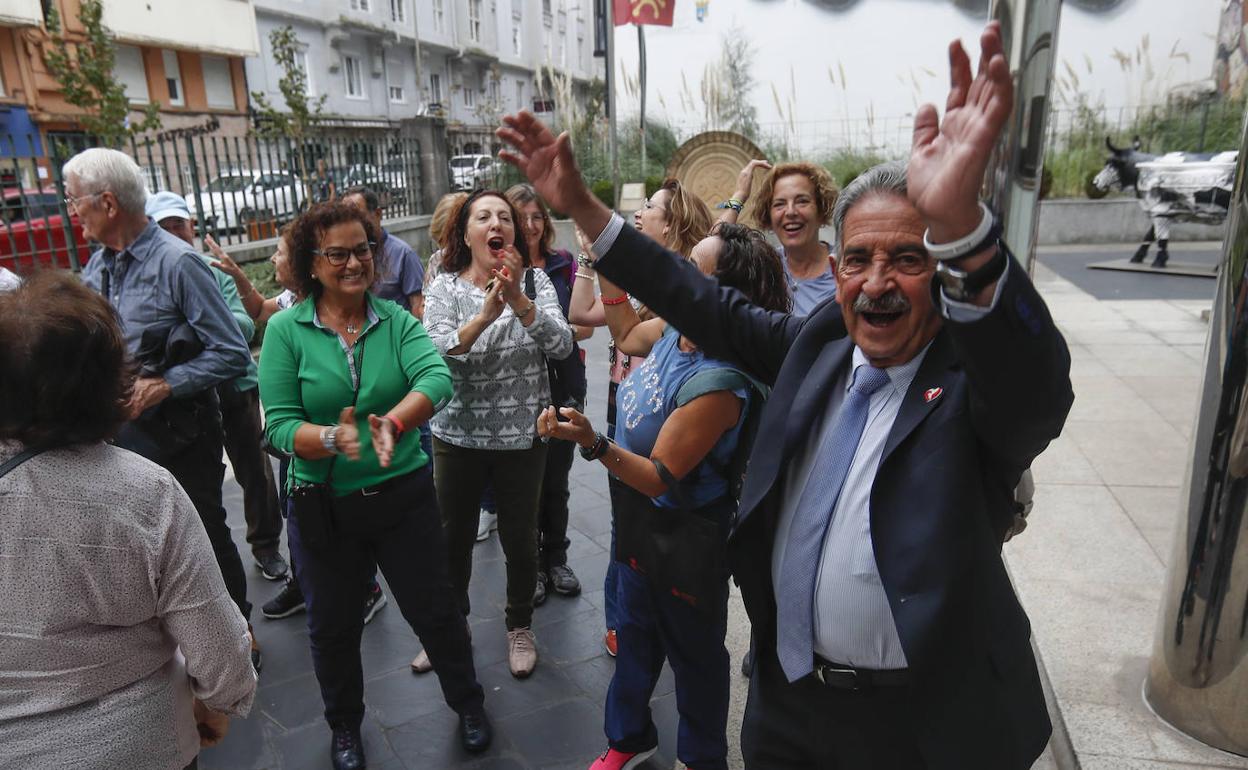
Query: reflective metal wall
(1012,185)
(1198,676)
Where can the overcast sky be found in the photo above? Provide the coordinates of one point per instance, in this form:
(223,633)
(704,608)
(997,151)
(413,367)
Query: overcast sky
(892,55)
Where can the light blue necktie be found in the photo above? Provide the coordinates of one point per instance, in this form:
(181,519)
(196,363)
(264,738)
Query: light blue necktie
(804,550)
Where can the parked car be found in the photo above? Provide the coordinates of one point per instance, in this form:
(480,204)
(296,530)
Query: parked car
(34,232)
(468,172)
(236,197)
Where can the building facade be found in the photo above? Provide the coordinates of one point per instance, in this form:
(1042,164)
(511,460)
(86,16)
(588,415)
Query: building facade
(185,57)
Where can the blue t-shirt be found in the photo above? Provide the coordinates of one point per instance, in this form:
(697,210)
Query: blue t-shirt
(401,273)
(649,394)
(807,293)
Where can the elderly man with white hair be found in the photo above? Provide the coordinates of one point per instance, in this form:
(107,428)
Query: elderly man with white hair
(178,328)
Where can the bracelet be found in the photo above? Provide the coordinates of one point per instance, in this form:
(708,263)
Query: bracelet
(399,428)
(586,276)
(521,315)
(975,241)
(596,450)
(732,203)
(583,260)
(329,439)
(620,300)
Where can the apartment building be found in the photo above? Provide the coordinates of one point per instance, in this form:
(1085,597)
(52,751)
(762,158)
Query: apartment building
(185,56)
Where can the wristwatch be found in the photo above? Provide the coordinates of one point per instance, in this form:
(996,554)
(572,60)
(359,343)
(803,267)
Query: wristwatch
(597,449)
(583,260)
(329,439)
(963,286)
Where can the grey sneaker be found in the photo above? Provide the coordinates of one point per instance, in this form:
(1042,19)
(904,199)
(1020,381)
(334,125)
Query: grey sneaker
(521,652)
(487,523)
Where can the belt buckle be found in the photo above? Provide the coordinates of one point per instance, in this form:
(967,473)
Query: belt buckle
(822,670)
(369,491)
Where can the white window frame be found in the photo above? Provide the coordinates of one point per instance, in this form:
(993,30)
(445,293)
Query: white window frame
(301,59)
(474,20)
(439,16)
(173,72)
(398,11)
(361,5)
(435,87)
(470,97)
(229,81)
(519,95)
(353,63)
(401,98)
(517,36)
(126,56)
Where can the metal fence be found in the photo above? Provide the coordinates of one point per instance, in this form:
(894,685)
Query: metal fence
(237,189)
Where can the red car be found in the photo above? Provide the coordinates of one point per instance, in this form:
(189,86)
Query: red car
(33,231)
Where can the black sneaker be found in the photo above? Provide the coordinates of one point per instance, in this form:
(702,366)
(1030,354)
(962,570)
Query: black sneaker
(475,731)
(272,565)
(347,750)
(539,593)
(256,660)
(375,600)
(289,601)
(563,580)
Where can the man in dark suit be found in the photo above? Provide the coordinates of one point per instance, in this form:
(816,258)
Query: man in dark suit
(868,541)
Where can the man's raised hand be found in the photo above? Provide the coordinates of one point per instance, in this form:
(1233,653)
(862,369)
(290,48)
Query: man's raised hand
(545,159)
(948,158)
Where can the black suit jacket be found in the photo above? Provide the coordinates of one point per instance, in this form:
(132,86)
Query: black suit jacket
(942,496)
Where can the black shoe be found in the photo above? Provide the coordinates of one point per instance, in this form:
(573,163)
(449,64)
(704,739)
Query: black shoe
(539,593)
(475,732)
(1139,254)
(256,659)
(272,565)
(374,601)
(747,663)
(563,580)
(347,750)
(288,601)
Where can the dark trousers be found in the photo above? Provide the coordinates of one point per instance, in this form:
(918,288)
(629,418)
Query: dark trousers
(460,475)
(240,419)
(611,582)
(412,556)
(810,726)
(198,468)
(654,626)
(552,513)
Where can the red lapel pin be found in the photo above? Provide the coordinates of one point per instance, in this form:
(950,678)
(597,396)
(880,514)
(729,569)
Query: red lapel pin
(931,394)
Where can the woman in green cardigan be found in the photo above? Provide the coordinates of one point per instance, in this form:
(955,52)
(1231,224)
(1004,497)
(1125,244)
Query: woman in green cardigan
(345,379)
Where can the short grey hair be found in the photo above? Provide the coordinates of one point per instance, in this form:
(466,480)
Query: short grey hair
(886,179)
(102,170)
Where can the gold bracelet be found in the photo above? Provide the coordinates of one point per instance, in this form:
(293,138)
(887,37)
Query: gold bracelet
(583,274)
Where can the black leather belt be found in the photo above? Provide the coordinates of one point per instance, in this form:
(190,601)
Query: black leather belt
(376,489)
(842,677)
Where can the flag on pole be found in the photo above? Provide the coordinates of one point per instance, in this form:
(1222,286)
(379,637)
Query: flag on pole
(644,12)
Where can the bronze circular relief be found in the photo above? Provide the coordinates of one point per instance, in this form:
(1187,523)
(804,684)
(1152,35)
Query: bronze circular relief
(708,164)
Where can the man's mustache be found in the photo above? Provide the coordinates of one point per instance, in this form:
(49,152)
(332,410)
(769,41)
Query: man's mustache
(893,302)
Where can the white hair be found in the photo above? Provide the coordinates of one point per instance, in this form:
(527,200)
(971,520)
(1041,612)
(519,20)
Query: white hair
(886,178)
(102,170)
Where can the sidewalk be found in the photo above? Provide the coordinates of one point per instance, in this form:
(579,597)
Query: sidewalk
(1091,565)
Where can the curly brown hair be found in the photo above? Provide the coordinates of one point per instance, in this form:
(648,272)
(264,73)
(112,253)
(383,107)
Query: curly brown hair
(522,195)
(308,230)
(749,264)
(688,218)
(820,180)
(53,319)
(456,256)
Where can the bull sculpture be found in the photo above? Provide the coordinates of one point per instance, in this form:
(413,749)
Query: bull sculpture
(1177,186)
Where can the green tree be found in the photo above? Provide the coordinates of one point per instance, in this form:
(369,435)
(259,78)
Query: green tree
(299,120)
(84,72)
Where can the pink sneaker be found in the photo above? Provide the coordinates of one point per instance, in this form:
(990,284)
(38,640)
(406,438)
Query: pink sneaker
(619,760)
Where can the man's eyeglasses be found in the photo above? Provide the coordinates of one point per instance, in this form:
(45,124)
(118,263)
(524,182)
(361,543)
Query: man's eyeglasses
(71,201)
(338,257)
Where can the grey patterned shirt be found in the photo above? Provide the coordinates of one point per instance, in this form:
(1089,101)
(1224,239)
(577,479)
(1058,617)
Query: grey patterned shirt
(114,615)
(501,383)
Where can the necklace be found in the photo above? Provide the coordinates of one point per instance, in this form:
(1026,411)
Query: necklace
(352,328)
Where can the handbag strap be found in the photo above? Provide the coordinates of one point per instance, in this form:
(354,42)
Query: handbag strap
(355,398)
(17,459)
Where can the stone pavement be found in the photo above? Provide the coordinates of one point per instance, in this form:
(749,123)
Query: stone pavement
(1089,570)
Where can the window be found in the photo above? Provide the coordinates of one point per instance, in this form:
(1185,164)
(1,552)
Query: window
(546,7)
(439,16)
(355,82)
(519,94)
(396,94)
(435,87)
(218,84)
(474,20)
(130,72)
(173,78)
(301,61)
(470,97)
(515,38)
(360,5)
(398,10)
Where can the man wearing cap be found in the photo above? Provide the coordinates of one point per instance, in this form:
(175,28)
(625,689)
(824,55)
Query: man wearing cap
(240,409)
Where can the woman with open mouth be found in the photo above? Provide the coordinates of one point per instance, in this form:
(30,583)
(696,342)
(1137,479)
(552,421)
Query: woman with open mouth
(496,321)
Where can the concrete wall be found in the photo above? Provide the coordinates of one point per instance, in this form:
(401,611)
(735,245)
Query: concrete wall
(1113,220)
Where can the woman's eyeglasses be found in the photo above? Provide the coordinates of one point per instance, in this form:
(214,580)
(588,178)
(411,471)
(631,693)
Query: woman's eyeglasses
(647,203)
(338,257)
